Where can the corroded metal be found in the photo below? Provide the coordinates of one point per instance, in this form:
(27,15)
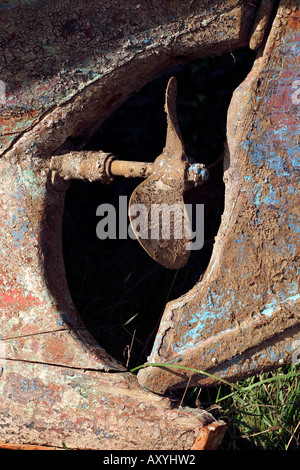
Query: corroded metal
(97,166)
(82,62)
(42,404)
(166,187)
(62,80)
(261,23)
(56,384)
(85,165)
(131,169)
(168,178)
(210,437)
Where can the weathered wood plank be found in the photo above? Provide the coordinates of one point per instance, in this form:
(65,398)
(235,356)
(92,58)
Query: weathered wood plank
(47,405)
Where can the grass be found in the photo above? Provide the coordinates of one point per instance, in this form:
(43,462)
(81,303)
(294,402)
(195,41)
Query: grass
(264,413)
(261,412)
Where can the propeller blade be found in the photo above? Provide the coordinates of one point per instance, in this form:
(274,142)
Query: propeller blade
(159,221)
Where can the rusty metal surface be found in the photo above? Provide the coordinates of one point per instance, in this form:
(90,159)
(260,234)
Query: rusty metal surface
(210,436)
(261,23)
(78,49)
(63,78)
(168,178)
(84,165)
(244,316)
(131,169)
(38,319)
(166,186)
(51,406)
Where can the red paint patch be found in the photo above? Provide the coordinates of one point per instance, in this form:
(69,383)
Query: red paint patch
(280,102)
(15,297)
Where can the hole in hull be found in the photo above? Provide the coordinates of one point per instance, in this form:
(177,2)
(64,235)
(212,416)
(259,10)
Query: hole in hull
(119,291)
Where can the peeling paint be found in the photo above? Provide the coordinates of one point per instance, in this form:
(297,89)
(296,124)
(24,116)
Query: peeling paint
(250,292)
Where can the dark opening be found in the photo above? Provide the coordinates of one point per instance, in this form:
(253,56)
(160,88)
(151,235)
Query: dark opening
(119,291)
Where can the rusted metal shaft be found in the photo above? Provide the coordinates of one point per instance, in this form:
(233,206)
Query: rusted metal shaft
(101,166)
(97,166)
(130,169)
(84,165)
